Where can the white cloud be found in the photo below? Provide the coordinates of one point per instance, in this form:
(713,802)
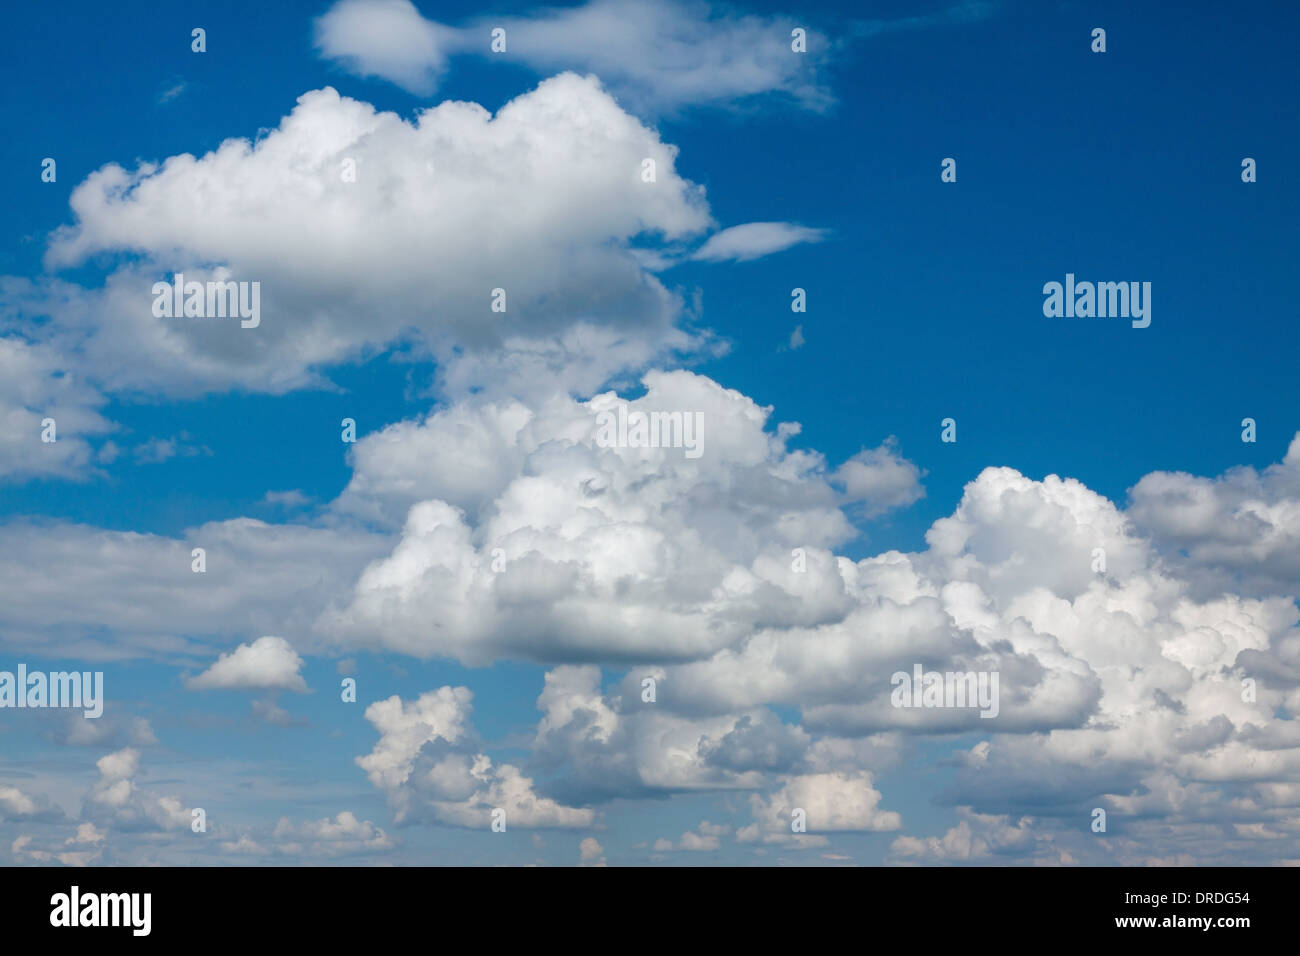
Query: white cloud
(982,838)
(543,200)
(1119,688)
(157,450)
(345,834)
(287,499)
(590,852)
(706,838)
(26,847)
(655,54)
(429,769)
(608,746)
(882,478)
(384,38)
(622,552)
(267,663)
(1240,529)
(80,589)
(754,240)
(35,387)
(1112,682)
(86,833)
(830,801)
(405,729)
(16,805)
(117,802)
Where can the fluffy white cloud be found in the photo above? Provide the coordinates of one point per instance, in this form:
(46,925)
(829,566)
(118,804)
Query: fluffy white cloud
(831,801)
(1121,658)
(543,201)
(828,801)
(384,38)
(612,551)
(881,478)
(265,664)
(17,805)
(601,747)
(1117,673)
(1241,529)
(428,767)
(591,853)
(117,802)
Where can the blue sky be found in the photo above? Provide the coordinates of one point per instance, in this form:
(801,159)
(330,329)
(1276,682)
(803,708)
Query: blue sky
(924,301)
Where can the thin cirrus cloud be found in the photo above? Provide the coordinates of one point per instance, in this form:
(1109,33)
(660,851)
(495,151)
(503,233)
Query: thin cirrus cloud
(753,240)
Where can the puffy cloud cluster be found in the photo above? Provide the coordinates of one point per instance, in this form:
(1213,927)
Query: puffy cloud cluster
(549,545)
(516,249)
(828,801)
(426,763)
(1131,679)
(981,839)
(1239,530)
(116,821)
(343,835)
(117,801)
(121,822)
(1149,659)
(599,747)
(83,848)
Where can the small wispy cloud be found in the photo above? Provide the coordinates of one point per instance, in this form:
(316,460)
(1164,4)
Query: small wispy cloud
(286,499)
(754,240)
(157,450)
(172,92)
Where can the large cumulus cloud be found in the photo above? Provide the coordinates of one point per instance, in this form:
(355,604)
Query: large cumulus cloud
(544,200)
